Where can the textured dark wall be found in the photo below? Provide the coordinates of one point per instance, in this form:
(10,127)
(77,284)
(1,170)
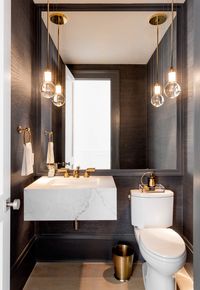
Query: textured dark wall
(188,99)
(162,121)
(94,239)
(50,116)
(133,112)
(23,112)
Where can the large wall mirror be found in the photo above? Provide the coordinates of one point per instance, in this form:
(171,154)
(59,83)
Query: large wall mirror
(108,68)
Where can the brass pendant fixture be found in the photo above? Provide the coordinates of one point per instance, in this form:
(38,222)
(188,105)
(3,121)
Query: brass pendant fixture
(47,87)
(58,19)
(172,88)
(157,99)
(158,19)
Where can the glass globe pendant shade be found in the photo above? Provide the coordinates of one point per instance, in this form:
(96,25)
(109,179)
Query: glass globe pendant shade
(47,87)
(58,99)
(172,89)
(157,99)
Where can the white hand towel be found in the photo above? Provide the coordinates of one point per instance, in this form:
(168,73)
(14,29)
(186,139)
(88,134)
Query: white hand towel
(50,153)
(28,160)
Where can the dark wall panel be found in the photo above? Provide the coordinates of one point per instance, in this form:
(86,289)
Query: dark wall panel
(23,112)
(156,121)
(162,121)
(188,99)
(133,112)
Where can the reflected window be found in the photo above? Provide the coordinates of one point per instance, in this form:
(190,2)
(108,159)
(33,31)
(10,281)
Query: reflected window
(91,124)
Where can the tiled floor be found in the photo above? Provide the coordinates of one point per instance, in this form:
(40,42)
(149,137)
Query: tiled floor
(81,276)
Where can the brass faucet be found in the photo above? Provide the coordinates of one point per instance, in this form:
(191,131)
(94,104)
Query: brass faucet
(88,171)
(76,172)
(65,171)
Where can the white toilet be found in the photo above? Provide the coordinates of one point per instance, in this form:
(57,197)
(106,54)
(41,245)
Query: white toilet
(162,248)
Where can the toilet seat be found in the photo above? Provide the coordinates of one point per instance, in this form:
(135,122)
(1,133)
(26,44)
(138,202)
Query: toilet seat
(163,243)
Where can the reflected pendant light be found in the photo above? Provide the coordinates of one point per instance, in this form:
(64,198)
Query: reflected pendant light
(58,99)
(172,88)
(47,87)
(157,99)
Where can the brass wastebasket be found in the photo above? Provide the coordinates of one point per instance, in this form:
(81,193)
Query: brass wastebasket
(123,262)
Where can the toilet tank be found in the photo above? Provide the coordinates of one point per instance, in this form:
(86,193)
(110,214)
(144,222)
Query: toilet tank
(152,210)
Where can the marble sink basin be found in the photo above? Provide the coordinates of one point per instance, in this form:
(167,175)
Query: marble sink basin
(81,182)
(59,198)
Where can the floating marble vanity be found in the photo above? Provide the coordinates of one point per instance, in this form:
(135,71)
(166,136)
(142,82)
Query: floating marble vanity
(60,198)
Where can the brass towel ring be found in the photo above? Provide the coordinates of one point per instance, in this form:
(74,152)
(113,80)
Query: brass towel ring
(26,134)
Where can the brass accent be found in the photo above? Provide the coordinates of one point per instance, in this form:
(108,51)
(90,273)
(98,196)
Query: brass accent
(25,131)
(76,172)
(123,262)
(58,18)
(152,181)
(88,171)
(158,19)
(65,171)
(21,130)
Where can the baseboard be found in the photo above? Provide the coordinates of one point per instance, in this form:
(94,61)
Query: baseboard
(24,265)
(189,261)
(189,247)
(69,247)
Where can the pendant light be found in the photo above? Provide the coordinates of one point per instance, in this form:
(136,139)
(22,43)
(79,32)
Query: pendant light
(47,87)
(172,88)
(58,98)
(157,99)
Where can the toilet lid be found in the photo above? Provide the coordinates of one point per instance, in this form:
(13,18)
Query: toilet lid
(162,242)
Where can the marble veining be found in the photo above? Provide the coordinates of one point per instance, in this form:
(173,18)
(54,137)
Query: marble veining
(60,198)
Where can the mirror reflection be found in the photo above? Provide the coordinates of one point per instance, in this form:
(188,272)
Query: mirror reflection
(108,63)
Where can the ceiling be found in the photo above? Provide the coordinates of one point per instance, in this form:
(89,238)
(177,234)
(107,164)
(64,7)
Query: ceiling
(107,37)
(110,1)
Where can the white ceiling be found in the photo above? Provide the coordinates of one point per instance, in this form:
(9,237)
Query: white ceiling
(107,37)
(110,1)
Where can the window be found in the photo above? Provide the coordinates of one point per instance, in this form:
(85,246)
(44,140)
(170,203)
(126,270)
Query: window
(92,119)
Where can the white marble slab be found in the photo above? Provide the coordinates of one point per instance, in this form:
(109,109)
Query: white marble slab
(59,198)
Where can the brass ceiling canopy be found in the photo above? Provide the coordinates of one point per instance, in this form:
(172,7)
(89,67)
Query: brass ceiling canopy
(158,19)
(58,18)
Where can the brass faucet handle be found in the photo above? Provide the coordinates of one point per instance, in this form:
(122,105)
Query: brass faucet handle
(76,172)
(61,170)
(88,171)
(67,173)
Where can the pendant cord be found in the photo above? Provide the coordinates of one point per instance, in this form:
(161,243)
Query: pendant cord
(58,50)
(157,52)
(172,34)
(48,34)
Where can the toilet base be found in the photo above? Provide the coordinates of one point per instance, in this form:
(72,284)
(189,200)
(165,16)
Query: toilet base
(154,280)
